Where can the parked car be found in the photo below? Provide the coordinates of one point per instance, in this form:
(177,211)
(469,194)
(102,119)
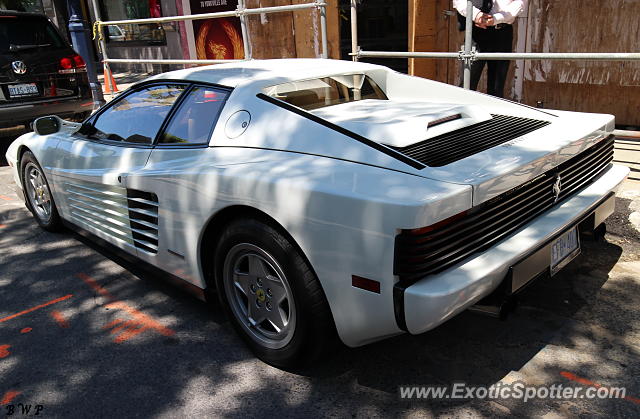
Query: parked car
(116,33)
(40,74)
(322,196)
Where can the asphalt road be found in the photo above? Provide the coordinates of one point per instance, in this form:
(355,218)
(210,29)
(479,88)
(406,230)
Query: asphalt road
(82,336)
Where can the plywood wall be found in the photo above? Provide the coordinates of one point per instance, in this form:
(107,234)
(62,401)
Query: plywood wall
(292,34)
(429,31)
(579,26)
(549,26)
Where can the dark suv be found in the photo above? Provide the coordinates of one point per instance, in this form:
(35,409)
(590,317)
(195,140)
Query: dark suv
(40,74)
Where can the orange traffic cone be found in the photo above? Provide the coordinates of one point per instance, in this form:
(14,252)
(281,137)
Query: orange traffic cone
(110,82)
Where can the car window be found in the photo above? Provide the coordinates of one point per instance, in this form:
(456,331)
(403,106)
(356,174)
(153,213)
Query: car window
(194,120)
(136,118)
(327,91)
(19,33)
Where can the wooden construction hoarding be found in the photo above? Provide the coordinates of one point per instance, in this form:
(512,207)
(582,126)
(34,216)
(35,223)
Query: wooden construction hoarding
(548,26)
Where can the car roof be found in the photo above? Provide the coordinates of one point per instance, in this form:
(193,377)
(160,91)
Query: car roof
(263,73)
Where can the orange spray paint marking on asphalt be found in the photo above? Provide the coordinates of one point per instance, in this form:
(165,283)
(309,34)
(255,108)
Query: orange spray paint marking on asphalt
(26,330)
(6,198)
(60,319)
(96,287)
(8,397)
(4,351)
(141,322)
(584,381)
(57,300)
(126,329)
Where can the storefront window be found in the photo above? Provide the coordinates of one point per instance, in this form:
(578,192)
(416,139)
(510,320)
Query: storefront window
(34,6)
(152,33)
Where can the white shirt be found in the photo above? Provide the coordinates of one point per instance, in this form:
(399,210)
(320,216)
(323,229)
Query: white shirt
(503,11)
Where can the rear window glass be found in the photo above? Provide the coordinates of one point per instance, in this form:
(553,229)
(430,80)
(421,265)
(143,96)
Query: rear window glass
(327,91)
(193,122)
(24,32)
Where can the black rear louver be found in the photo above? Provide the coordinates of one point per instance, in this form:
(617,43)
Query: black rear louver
(441,247)
(143,216)
(464,142)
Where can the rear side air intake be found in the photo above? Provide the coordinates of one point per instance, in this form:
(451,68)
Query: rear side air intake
(143,216)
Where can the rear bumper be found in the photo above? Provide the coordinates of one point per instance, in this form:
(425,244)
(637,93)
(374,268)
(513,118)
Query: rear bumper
(434,299)
(16,114)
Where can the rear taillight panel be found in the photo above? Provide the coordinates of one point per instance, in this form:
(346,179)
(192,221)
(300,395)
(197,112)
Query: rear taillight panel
(72,64)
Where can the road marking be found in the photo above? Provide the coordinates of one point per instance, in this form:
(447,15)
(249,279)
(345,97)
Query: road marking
(4,351)
(26,330)
(57,300)
(125,330)
(97,287)
(8,397)
(6,198)
(60,319)
(586,382)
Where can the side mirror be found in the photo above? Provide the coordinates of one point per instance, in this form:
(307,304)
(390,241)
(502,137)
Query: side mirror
(52,124)
(46,125)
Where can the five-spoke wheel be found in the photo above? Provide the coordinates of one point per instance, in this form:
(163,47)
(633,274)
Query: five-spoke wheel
(38,194)
(260,295)
(271,295)
(37,191)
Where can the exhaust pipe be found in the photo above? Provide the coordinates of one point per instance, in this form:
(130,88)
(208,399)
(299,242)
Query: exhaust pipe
(497,309)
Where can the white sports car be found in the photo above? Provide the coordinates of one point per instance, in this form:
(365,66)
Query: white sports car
(321,197)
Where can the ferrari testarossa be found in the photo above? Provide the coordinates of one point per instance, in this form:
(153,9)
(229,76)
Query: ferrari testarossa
(324,198)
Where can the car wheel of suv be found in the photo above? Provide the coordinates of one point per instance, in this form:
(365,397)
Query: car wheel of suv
(38,194)
(271,295)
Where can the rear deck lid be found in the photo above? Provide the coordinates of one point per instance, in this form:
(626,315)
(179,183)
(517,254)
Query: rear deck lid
(469,145)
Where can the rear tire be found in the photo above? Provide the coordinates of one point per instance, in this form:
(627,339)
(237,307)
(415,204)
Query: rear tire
(272,297)
(37,194)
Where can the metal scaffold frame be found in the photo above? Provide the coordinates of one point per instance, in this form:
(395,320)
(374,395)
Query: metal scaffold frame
(241,11)
(468,54)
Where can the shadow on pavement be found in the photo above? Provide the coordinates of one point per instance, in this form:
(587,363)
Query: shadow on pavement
(581,321)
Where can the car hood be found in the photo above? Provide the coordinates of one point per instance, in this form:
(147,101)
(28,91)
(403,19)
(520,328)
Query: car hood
(490,172)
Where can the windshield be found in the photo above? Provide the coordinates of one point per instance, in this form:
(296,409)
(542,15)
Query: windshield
(327,91)
(26,32)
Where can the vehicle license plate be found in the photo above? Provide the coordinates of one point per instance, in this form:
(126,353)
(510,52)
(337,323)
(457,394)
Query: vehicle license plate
(25,89)
(564,249)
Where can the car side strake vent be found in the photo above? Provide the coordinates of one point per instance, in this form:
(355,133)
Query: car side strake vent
(464,142)
(143,216)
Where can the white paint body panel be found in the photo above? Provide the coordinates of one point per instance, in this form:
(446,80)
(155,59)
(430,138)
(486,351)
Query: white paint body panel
(433,300)
(342,201)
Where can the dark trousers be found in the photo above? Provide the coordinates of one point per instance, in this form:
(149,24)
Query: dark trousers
(492,39)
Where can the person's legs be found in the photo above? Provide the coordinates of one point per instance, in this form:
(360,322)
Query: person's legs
(496,77)
(497,70)
(476,72)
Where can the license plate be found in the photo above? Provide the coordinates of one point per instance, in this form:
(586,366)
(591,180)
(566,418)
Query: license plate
(25,89)
(564,249)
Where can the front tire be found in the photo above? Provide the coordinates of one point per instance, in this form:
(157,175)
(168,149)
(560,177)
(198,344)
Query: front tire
(271,295)
(37,194)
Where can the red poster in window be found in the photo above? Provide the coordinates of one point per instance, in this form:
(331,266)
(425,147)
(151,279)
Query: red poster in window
(217,39)
(154,8)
